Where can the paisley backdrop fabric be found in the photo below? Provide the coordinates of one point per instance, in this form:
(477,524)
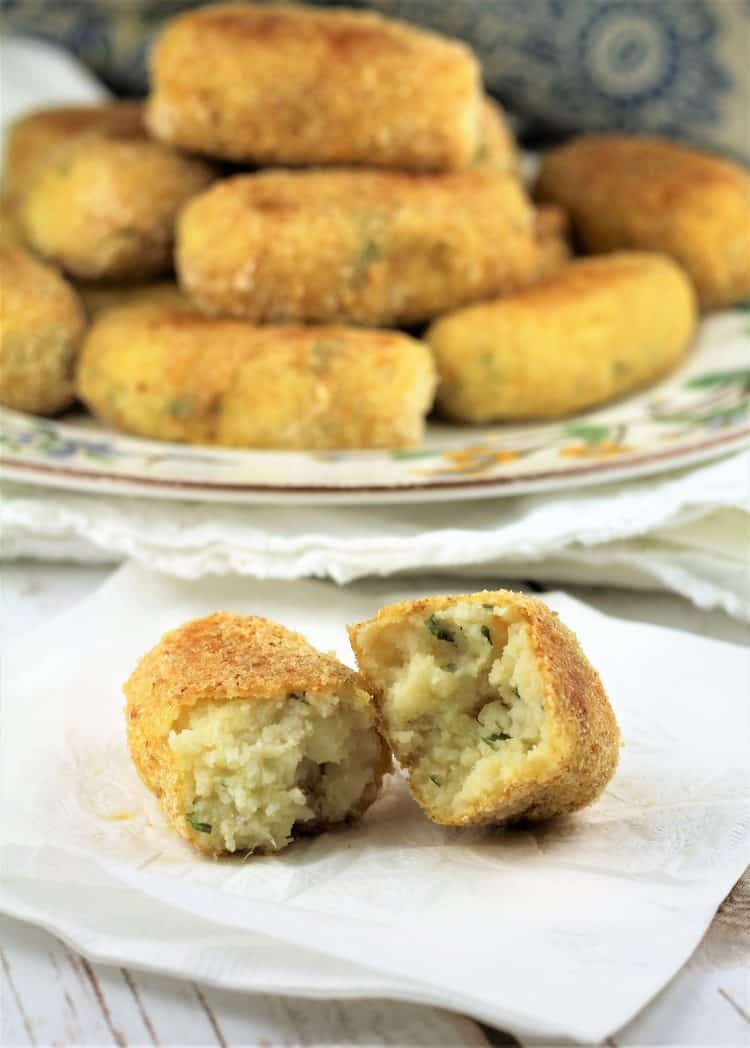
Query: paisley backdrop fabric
(677,67)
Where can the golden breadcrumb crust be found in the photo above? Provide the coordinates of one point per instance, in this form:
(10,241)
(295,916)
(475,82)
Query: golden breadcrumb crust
(647,193)
(364,247)
(214,660)
(293,85)
(104,207)
(583,732)
(173,374)
(41,326)
(33,139)
(592,330)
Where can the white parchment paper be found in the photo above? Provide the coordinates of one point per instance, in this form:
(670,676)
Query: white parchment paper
(565,930)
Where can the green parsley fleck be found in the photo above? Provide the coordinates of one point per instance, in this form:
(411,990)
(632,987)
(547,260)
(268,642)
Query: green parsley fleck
(486,633)
(436,780)
(450,667)
(439,630)
(489,607)
(199,827)
(497,736)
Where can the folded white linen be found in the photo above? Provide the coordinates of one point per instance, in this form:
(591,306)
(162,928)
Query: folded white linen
(688,532)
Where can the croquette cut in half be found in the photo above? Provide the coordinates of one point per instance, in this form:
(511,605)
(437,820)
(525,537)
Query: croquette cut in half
(649,194)
(249,737)
(290,85)
(173,374)
(104,207)
(490,706)
(365,247)
(591,331)
(41,326)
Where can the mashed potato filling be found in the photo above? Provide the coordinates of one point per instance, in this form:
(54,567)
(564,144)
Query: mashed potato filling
(256,772)
(464,702)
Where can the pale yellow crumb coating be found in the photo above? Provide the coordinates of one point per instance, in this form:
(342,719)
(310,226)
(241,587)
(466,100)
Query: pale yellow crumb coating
(291,85)
(249,736)
(104,208)
(174,374)
(490,706)
(593,330)
(41,326)
(650,194)
(34,138)
(365,247)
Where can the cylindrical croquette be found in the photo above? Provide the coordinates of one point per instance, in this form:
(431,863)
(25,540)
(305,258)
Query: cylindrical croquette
(365,247)
(250,737)
(41,326)
(174,374)
(104,207)
(291,85)
(34,138)
(594,330)
(650,194)
(489,703)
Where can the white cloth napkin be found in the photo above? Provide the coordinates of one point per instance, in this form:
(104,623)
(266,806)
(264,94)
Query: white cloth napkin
(688,532)
(559,930)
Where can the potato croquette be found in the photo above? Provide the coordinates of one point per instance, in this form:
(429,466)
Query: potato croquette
(496,150)
(41,325)
(105,207)
(176,375)
(291,86)
(33,140)
(597,328)
(250,737)
(490,705)
(365,247)
(11,234)
(97,298)
(650,194)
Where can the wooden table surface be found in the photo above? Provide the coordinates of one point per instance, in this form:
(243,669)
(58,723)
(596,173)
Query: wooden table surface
(50,995)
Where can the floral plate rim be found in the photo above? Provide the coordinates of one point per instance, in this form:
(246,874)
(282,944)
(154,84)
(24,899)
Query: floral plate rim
(700,411)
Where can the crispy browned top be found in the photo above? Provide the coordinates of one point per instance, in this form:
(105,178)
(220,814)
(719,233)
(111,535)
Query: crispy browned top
(224,658)
(669,171)
(280,191)
(351,35)
(602,273)
(114,116)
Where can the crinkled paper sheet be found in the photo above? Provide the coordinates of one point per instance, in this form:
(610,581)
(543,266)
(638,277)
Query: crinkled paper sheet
(565,930)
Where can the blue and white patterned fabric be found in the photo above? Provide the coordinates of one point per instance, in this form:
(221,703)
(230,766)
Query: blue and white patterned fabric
(676,67)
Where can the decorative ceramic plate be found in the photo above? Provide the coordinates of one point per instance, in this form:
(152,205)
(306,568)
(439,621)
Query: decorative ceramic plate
(698,412)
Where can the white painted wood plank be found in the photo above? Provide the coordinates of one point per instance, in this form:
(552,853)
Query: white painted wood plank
(293,1021)
(15,1025)
(53,988)
(175,1012)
